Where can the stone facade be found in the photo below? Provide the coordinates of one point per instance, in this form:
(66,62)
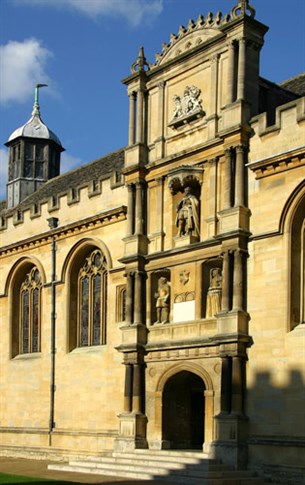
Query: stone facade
(208,198)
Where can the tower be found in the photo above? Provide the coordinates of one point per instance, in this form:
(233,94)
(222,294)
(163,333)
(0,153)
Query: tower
(34,156)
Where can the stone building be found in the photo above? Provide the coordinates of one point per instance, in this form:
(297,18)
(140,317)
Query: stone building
(154,298)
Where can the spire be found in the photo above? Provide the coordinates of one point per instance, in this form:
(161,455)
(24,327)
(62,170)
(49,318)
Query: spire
(241,10)
(140,65)
(36,110)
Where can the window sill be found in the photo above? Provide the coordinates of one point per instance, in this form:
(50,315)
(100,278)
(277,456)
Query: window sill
(300,327)
(28,356)
(88,349)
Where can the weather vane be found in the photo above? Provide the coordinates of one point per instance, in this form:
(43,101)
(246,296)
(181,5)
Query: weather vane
(36,99)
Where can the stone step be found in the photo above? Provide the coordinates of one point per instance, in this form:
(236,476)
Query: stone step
(170,478)
(165,460)
(161,467)
(179,467)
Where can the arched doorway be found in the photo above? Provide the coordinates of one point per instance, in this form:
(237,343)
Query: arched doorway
(183,410)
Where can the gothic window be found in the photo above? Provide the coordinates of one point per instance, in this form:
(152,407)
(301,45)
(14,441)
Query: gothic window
(302,265)
(92,296)
(29,313)
(298,266)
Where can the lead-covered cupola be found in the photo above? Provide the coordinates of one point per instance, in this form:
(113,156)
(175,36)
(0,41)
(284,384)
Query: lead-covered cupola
(34,156)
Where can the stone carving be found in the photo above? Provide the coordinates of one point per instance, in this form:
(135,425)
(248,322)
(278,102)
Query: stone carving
(184,277)
(213,304)
(187,219)
(163,300)
(188,104)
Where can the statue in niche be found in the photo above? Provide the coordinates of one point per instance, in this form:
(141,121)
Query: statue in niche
(187,219)
(163,300)
(213,304)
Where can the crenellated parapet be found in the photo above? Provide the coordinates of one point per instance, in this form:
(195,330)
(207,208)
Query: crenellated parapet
(88,188)
(286,134)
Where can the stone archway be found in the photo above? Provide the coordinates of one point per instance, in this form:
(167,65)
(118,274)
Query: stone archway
(206,402)
(183,405)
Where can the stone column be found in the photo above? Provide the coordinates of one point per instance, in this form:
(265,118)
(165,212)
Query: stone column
(129,298)
(225,282)
(237,386)
(138,298)
(208,419)
(137,389)
(140,117)
(225,385)
(212,217)
(238,280)
(161,87)
(240,176)
(128,388)
(228,178)
(214,84)
(132,113)
(231,74)
(139,221)
(241,77)
(160,201)
(130,218)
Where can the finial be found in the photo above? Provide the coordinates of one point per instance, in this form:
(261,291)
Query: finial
(141,63)
(241,9)
(36,99)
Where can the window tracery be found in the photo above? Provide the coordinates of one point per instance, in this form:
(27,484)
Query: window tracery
(92,297)
(30,312)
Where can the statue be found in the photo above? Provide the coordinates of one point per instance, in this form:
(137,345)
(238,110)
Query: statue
(187,219)
(163,300)
(214,293)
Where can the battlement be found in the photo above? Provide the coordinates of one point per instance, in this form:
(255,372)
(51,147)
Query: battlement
(93,197)
(280,146)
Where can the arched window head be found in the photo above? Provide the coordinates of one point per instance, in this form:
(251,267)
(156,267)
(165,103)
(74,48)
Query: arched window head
(92,298)
(30,312)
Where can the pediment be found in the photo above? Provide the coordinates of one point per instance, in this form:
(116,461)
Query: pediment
(189,42)
(195,34)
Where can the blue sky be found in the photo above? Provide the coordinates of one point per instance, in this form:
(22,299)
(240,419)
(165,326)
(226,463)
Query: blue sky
(83,49)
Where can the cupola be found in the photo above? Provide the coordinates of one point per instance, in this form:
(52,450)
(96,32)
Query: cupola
(34,156)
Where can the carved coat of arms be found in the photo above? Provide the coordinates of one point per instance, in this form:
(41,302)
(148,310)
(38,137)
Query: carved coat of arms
(187,104)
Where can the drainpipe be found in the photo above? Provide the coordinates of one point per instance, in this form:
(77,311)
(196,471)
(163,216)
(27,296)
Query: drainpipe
(53,223)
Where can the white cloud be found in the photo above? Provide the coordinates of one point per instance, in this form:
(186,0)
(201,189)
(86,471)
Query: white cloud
(22,65)
(3,172)
(134,11)
(68,162)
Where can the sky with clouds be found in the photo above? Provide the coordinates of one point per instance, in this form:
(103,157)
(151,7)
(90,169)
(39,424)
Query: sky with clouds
(83,49)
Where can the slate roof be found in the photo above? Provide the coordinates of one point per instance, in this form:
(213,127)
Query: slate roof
(295,84)
(101,168)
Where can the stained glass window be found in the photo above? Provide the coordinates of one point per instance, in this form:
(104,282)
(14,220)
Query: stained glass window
(30,312)
(92,300)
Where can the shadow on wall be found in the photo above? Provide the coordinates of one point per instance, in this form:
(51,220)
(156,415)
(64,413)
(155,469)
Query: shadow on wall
(276,411)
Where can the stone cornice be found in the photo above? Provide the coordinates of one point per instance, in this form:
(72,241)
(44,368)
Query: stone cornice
(104,218)
(278,163)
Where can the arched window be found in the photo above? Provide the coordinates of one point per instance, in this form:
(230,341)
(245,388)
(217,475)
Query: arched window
(30,292)
(88,299)
(298,266)
(302,267)
(26,311)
